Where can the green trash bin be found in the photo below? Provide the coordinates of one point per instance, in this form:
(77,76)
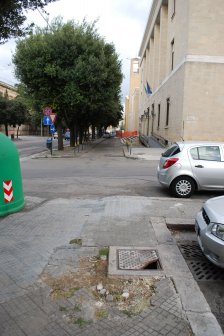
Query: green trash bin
(11,189)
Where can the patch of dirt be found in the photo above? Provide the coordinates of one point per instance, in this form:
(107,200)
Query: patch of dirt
(91,286)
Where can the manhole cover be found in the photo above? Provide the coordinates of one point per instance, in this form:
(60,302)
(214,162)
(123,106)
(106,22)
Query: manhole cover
(138,259)
(201,268)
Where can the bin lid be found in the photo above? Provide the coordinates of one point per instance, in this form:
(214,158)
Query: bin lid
(11,190)
(7,147)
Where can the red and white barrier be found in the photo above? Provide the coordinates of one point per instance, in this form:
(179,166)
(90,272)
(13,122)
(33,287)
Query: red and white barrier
(8,191)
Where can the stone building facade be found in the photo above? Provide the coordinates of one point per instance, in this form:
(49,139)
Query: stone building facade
(132,101)
(182,71)
(10,90)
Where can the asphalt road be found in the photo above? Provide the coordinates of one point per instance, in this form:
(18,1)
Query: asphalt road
(29,145)
(101,171)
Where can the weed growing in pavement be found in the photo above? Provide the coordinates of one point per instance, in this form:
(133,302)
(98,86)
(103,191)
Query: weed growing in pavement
(104,251)
(81,322)
(101,313)
(81,285)
(76,241)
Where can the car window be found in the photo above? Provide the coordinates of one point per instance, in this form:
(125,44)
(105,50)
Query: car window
(209,153)
(173,150)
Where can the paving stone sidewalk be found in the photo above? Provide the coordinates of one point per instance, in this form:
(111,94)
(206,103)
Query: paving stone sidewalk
(36,313)
(34,243)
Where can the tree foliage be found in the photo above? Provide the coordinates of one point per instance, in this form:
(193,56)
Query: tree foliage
(73,70)
(12,16)
(12,112)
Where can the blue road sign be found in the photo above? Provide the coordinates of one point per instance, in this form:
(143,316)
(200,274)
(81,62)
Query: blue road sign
(52,129)
(47,121)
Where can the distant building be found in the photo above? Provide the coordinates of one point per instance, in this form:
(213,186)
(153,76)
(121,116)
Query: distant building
(132,101)
(182,71)
(11,91)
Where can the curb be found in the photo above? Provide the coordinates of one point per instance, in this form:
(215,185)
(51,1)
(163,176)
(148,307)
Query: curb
(198,312)
(180,223)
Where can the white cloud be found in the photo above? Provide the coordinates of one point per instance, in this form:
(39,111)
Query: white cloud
(119,21)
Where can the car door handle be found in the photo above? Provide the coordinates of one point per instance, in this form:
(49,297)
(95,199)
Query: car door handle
(199,166)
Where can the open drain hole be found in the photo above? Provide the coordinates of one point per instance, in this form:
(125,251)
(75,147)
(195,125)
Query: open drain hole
(138,259)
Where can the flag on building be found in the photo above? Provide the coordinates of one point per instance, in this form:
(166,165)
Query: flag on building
(149,91)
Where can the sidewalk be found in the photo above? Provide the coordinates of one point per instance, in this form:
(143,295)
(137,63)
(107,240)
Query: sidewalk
(143,153)
(54,278)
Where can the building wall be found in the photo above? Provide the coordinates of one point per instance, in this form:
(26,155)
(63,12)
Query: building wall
(204,101)
(206,26)
(182,59)
(8,89)
(132,104)
(126,116)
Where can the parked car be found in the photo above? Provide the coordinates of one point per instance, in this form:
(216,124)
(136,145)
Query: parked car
(67,135)
(106,135)
(209,226)
(189,166)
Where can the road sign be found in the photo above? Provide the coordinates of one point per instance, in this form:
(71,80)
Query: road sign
(47,111)
(52,129)
(47,121)
(53,117)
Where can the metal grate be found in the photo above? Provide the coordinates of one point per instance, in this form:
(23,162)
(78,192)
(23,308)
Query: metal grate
(138,259)
(191,250)
(201,268)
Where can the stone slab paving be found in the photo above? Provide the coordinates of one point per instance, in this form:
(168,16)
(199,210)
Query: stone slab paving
(37,314)
(38,240)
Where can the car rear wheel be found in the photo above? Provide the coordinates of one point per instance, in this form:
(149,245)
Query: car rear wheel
(182,187)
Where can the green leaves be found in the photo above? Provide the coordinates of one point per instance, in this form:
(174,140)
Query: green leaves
(73,69)
(12,17)
(12,112)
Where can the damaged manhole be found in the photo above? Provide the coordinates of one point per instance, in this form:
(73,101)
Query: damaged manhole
(134,261)
(200,267)
(138,259)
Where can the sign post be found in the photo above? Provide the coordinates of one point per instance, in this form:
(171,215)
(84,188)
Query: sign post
(49,119)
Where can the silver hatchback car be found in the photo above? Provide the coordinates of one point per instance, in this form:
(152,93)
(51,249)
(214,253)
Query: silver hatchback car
(209,227)
(189,166)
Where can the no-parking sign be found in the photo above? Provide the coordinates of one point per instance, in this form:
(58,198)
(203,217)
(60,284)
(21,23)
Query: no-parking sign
(47,111)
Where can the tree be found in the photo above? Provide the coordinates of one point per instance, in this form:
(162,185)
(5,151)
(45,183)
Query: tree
(73,70)
(12,112)
(12,16)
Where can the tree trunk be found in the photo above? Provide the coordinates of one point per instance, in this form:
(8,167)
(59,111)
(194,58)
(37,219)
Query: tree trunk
(6,129)
(76,133)
(80,136)
(60,137)
(72,135)
(17,132)
(93,132)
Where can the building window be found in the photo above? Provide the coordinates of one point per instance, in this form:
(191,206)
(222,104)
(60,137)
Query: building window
(167,111)
(172,54)
(135,67)
(153,112)
(158,120)
(173,8)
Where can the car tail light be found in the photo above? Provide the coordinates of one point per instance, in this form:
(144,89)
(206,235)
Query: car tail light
(169,162)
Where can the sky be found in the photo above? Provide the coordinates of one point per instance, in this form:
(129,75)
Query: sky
(121,22)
